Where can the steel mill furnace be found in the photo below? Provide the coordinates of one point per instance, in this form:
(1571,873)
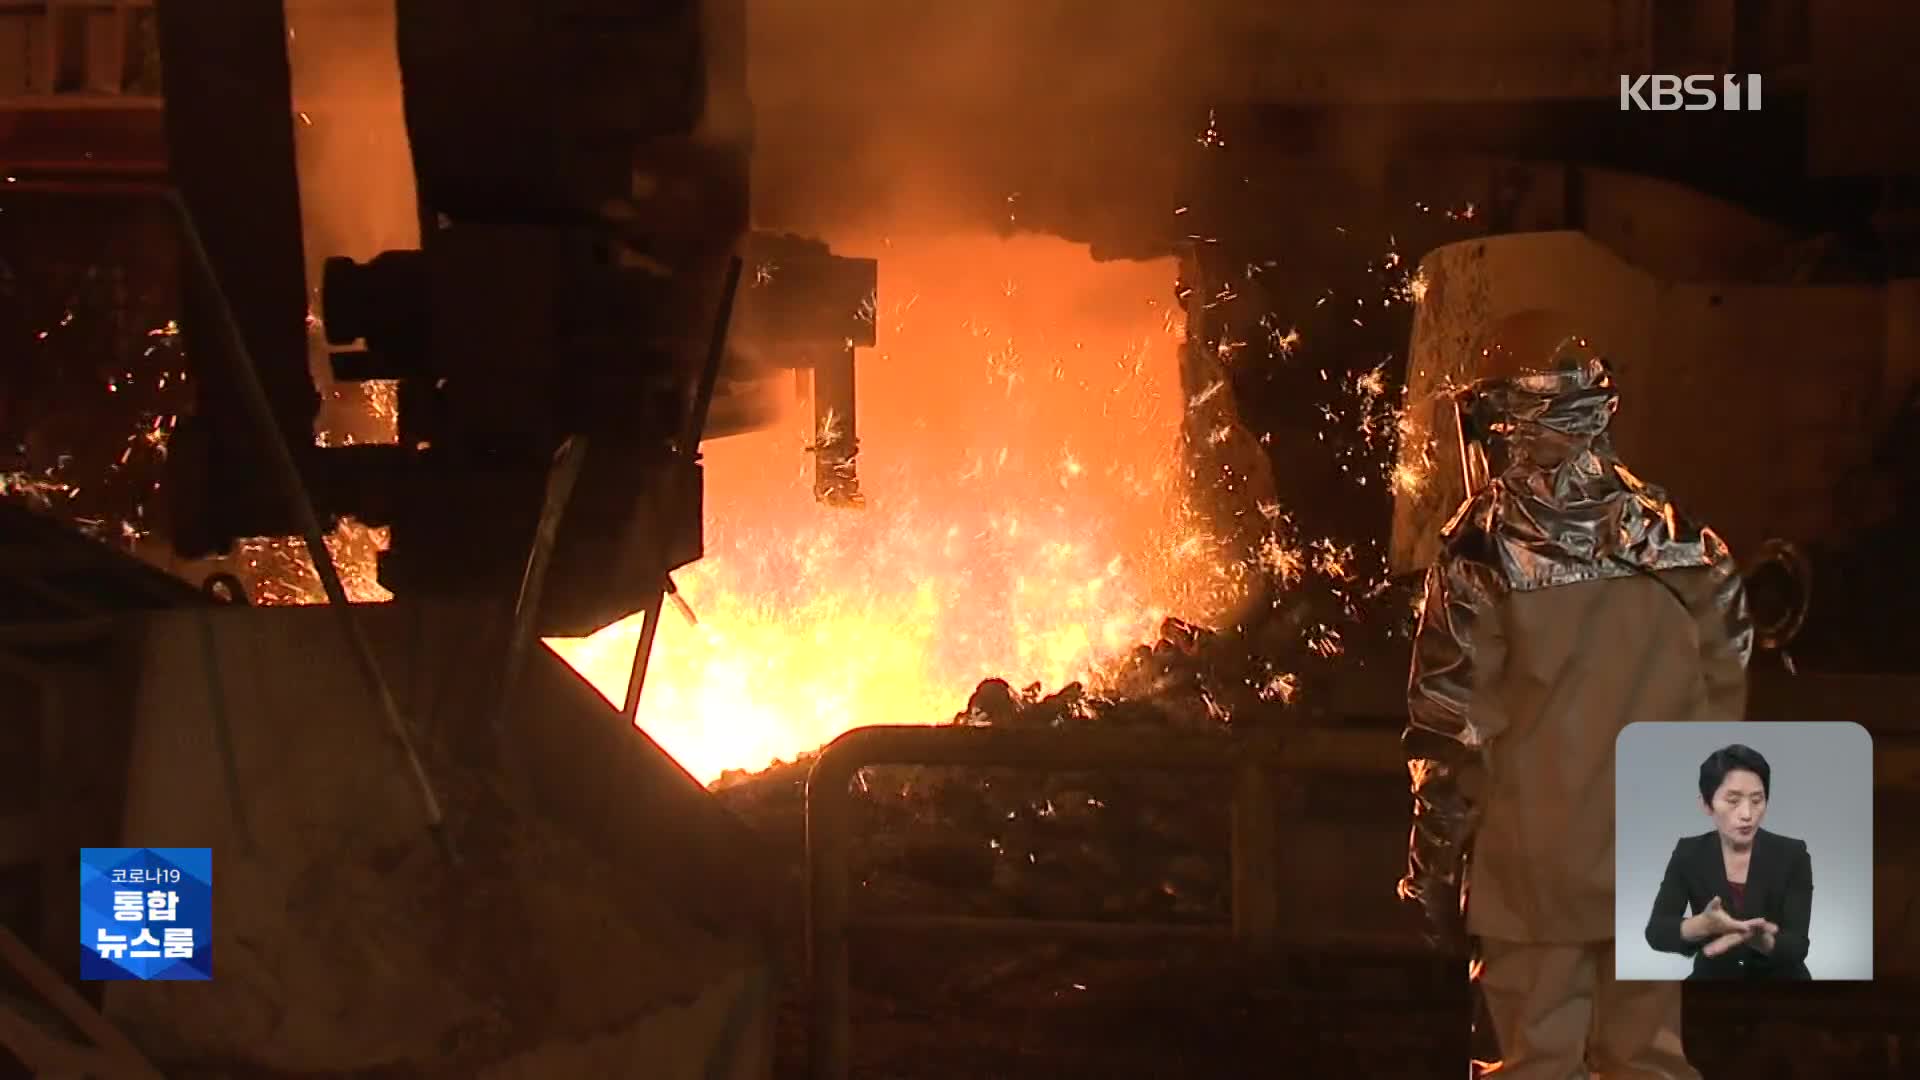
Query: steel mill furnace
(517,264)
(566,305)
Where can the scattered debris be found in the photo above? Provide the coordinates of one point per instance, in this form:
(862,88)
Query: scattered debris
(1008,842)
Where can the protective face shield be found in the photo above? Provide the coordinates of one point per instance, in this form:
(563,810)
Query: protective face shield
(1480,426)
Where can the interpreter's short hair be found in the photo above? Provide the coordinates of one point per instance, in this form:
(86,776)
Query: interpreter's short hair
(1714,770)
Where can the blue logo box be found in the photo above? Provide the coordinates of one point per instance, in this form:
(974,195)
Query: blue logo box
(146,913)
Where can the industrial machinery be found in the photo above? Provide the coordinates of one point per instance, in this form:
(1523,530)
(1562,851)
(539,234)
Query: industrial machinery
(414,789)
(585,306)
(569,286)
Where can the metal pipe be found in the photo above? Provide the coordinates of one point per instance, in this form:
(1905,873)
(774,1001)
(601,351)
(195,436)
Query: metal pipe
(637,673)
(836,431)
(680,603)
(696,419)
(829,829)
(687,448)
(561,480)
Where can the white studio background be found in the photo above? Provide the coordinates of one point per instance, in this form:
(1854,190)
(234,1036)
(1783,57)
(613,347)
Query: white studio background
(1821,792)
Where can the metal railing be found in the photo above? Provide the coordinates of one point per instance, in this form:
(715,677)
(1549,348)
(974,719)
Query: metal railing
(830,922)
(106,1051)
(26,1033)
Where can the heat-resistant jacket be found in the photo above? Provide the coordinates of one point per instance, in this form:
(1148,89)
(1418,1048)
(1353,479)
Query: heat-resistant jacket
(1569,600)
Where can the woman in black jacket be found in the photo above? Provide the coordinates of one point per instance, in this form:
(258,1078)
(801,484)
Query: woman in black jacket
(1750,891)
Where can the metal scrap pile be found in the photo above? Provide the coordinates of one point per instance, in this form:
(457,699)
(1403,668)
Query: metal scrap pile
(942,840)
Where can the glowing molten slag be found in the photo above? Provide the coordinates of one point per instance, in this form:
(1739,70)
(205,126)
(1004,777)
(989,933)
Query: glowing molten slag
(850,622)
(1025,516)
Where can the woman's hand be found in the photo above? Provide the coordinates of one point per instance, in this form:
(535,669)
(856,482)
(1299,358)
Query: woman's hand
(1711,923)
(1760,935)
(1731,933)
(1726,943)
(1718,922)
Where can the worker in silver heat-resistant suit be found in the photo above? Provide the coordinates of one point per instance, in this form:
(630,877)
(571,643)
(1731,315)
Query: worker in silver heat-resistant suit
(1569,600)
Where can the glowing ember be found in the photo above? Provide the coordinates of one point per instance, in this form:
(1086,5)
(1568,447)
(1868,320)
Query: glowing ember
(283,573)
(1019,453)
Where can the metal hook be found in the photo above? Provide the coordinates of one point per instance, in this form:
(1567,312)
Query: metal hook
(225,588)
(1782,556)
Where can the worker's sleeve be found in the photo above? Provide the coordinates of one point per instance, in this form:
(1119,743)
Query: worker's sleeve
(1791,943)
(1457,647)
(1670,909)
(1724,628)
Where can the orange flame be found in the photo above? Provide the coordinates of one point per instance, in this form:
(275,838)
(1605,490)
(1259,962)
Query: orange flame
(1026,515)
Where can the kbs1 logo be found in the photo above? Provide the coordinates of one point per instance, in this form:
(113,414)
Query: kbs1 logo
(1691,93)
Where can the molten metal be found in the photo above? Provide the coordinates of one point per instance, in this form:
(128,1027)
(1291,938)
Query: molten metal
(1026,517)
